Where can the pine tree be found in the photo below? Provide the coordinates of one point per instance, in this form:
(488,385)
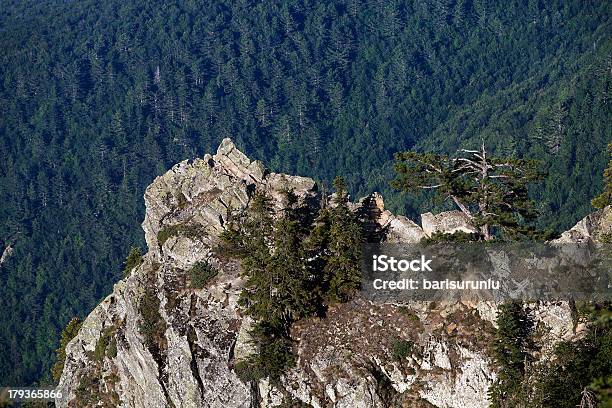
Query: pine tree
(491,191)
(252,242)
(279,288)
(69,332)
(293,283)
(511,348)
(342,271)
(605,198)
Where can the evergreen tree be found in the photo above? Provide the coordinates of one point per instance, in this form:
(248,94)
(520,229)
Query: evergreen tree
(252,245)
(491,191)
(69,332)
(605,198)
(294,286)
(278,288)
(342,271)
(290,265)
(97,99)
(511,348)
(577,374)
(133,260)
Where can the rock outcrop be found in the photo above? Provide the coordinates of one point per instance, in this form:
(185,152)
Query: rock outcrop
(594,227)
(156,342)
(188,206)
(447,222)
(382,225)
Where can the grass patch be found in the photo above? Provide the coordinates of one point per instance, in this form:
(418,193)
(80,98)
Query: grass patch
(190,231)
(152,327)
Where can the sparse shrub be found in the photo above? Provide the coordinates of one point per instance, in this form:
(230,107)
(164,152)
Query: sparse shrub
(406,311)
(111,350)
(190,231)
(291,402)
(274,356)
(106,345)
(69,332)
(100,349)
(87,394)
(133,260)
(248,370)
(201,273)
(606,238)
(402,349)
(152,326)
(181,200)
(271,361)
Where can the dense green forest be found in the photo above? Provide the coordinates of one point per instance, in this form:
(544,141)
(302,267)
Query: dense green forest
(97,98)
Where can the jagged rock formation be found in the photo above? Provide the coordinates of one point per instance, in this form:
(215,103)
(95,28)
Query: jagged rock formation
(155,342)
(188,206)
(594,227)
(381,224)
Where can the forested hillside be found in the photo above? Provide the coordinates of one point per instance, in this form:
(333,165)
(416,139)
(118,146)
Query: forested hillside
(97,98)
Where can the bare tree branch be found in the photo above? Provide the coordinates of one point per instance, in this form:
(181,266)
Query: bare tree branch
(588,399)
(431,187)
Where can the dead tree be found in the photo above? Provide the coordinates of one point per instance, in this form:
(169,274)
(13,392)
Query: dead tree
(490,191)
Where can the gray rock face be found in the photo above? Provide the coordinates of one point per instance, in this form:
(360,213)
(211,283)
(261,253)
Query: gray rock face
(383,225)
(591,228)
(188,361)
(189,205)
(351,358)
(446,222)
(156,342)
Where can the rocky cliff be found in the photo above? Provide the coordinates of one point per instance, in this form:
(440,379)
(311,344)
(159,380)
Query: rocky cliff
(196,335)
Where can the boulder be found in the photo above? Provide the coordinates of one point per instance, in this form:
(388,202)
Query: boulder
(447,222)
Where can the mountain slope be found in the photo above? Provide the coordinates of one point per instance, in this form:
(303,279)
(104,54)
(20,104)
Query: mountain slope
(98,99)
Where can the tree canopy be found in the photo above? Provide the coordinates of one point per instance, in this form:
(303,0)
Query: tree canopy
(605,198)
(293,268)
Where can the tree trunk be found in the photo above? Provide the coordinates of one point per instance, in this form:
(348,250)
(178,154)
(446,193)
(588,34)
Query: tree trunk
(462,207)
(484,230)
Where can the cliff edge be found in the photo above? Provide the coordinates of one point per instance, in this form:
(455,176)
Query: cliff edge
(157,342)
